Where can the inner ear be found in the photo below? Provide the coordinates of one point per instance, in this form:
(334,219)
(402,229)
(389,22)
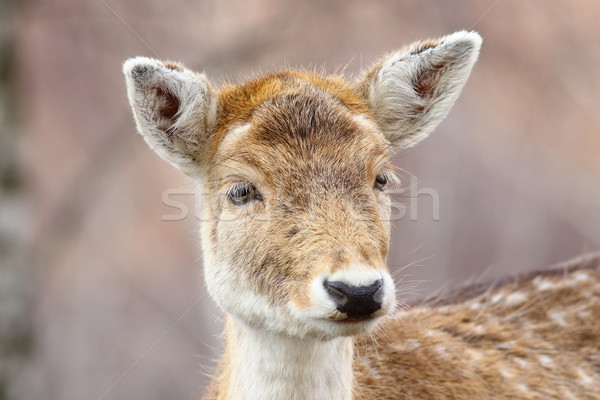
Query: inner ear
(426,81)
(174,109)
(166,106)
(412,90)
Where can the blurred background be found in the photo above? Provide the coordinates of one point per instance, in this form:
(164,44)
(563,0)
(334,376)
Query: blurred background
(102,299)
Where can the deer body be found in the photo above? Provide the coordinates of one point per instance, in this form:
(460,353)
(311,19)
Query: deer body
(294,170)
(534,336)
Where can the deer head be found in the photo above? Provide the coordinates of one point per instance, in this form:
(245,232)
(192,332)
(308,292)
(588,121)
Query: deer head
(293,170)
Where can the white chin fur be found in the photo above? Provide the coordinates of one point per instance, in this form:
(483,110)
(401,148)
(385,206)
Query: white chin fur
(256,310)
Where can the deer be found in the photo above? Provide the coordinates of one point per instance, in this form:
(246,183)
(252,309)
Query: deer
(294,170)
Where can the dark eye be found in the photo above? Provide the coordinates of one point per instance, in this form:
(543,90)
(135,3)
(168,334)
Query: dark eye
(242,194)
(380,181)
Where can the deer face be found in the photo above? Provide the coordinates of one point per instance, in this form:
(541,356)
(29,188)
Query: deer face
(298,218)
(293,169)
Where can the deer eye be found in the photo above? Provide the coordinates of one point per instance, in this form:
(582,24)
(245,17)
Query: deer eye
(381,181)
(242,194)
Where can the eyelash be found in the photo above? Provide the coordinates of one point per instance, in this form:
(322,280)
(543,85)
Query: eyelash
(243,193)
(381,181)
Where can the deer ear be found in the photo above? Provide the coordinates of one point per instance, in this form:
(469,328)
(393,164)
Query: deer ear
(412,90)
(174,109)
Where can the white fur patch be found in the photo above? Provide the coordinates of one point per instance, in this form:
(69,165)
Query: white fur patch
(516,298)
(364,121)
(440,350)
(497,298)
(558,317)
(234,135)
(546,284)
(546,361)
(408,345)
(357,275)
(582,276)
(272,366)
(524,364)
(584,378)
(507,373)
(584,314)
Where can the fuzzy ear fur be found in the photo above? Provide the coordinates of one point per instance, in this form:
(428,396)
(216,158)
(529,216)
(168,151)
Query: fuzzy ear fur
(412,90)
(174,109)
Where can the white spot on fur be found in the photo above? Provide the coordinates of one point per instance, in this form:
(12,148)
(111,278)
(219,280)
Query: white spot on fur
(409,345)
(478,330)
(357,275)
(558,318)
(506,373)
(522,363)
(474,355)
(363,120)
(545,284)
(581,276)
(440,350)
(516,298)
(524,388)
(568,395)
(234,134)
(584,314)
(497,298)
(584,378)
(545,361)
(509,299)
(444,309)
(367,363)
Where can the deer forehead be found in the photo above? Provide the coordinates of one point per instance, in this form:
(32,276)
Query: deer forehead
(297,127)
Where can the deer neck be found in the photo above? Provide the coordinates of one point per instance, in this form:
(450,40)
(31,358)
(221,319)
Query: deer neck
(270,366)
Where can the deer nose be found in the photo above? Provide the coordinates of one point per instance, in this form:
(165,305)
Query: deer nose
(355,301)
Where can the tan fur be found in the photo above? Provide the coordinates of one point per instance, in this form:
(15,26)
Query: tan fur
(294,171)
(532,337)
(309,151)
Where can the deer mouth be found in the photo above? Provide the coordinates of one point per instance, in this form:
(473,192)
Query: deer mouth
(356,320)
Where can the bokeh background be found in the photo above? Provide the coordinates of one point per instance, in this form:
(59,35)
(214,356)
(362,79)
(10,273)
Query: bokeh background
(102,299)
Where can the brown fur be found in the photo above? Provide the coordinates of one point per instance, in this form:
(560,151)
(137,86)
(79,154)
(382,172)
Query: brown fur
(541,343)
(302,130)
(237,103)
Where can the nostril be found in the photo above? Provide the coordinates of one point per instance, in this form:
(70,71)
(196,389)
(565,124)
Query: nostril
(378,294)
(356,301)
(337,291)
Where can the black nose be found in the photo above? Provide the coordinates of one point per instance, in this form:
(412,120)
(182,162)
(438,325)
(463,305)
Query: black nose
(356,301)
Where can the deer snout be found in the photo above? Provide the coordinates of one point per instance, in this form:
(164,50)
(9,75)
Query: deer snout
(355,301)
